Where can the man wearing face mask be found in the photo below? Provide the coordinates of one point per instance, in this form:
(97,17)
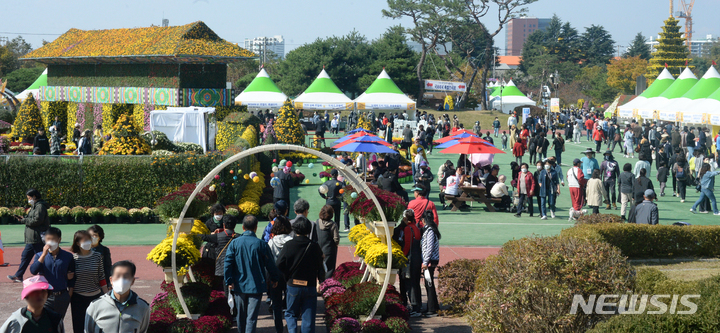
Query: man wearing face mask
(58,268)
(36,223)
(120,310)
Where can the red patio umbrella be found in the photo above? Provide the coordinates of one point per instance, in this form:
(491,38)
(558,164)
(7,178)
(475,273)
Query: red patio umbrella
(455,137)
(460,131)
(472,146)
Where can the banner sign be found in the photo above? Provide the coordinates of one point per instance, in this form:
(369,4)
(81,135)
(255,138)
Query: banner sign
(625,113)
(445,85)
(667,115)
(554,105)
(386,106)
(694,118)
(324,106)
(525,114)
(715,119)
(260,104)
(645,113)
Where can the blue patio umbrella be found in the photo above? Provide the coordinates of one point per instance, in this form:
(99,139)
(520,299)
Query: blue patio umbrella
(359,129)
(352,136)
(364,138)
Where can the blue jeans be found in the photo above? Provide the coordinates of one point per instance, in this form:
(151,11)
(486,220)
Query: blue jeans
(589,134)
(301,303)
(26,257)
(248,306)
(497,130)
(547,201)
(691,152)
(705,193)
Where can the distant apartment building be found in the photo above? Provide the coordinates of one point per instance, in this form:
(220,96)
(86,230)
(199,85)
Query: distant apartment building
(697,46)
(273,45)
(518,30)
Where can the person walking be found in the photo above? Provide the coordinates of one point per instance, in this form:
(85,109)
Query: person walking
(532,149)
(542,146)
(89,280)
(682,173)
(549,185)
(598,136)
(518,151)
(282,190)
(589,163)
(610,170)
(84,146)
(526,188)
(576,183)
(301,263)
(328,239)
(281,230)
(36,316)
(629,143)
(707,186)
(496,126)
(97,234)
(219,240)
(333,197)
(647,212)
(120,310)
(595,192)
(36,223)
(558,145)
(247,258)
(430,243)
(55,141)
(58,267)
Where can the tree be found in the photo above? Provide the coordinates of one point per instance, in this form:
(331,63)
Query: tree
(593,82)
(621,74)
(638,48)
(22,78)
(557,48)
(287,127)
(28,120)
(475,10)
(671,51)
(392,53)
(429,23)
(9,54)
(597,46)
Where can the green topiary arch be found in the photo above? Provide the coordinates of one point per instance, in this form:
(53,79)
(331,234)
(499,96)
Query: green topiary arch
(349,175)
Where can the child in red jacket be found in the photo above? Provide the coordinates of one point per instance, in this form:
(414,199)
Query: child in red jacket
(518,151)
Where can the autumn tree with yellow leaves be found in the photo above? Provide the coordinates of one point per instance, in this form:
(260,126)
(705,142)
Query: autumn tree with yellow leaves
(622,73)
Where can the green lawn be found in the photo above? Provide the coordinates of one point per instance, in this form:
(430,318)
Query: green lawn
(475,228)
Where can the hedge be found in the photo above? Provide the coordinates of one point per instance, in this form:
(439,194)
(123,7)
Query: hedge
(128,181)
(456,283)
(653,241)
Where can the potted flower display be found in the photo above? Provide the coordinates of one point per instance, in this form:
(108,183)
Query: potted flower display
(95,215)
(171,206)
(108,216)
(121,214)
(53,215)
(78,215)
(147,214)
(136,215)
(186,254)
(5,215)
(64,214)
(197,299)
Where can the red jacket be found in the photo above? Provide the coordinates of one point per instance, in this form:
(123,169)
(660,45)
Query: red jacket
(589,124)
(417,205)
(410,233)
(518,149)
(529,183)
(598,135)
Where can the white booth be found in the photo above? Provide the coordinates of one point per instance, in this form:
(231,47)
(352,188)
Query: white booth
(186,124)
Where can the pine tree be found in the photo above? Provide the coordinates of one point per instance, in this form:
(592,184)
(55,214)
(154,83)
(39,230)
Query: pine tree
(287,127)
(671,50)
(638,48)
(28,120)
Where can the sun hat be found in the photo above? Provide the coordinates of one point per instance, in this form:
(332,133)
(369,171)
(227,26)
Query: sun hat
(34,283)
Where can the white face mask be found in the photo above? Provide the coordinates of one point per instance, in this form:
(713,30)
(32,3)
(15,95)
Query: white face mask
(95,241)
(121,286)
(86,245)
(53,245)
(523,170)
(218,217)
(539,167)
(547,167)
(31,202)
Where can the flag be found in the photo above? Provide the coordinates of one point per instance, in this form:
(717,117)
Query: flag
(713,62)
(685,63)
(665,65)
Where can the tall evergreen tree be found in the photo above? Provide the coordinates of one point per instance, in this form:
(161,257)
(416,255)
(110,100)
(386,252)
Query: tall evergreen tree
(638,48)
(597,45)
(671,51)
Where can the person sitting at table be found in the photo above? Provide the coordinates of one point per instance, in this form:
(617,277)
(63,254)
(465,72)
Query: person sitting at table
(454,182)
(446,170)
(463,161)
(492,177)
(379,168)
(424,177)
(500,190)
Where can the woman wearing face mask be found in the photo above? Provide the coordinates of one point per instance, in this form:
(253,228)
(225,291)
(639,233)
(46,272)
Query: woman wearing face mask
(549,188)
(215,224)
(97,234)
(89,280)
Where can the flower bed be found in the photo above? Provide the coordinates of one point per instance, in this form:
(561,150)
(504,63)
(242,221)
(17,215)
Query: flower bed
(362,207)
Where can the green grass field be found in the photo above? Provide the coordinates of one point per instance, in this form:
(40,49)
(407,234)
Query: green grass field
(473,228)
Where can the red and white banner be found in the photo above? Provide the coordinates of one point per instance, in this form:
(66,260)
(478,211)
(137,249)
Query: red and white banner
(445,85)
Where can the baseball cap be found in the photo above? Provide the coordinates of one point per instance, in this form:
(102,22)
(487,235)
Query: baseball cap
(576,161)
(281,206)
(419,150)
(423,163)
(416,188)
(333,172)
(34,283)
(649,193)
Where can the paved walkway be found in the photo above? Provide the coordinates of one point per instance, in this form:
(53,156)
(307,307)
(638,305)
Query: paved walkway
(149,277)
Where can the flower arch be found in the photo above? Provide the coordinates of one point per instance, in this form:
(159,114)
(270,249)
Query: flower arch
(348,174)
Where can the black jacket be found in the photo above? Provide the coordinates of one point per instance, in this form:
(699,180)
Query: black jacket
(307,266)
(209,250)
(333,196)
(36,222)
(42,142)
(640,185)
(218,241)
(282,191)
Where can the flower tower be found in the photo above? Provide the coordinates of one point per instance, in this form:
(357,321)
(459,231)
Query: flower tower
(125,139)
(287,128)
(671,51)
(363,122)
(28,119)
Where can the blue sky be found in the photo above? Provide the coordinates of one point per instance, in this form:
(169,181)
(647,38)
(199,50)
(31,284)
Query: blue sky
(303,21)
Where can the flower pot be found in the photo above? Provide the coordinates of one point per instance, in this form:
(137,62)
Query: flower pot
(379,274)
(324,179)
(193,316)
(379,229)
(145,219)
(108,219)
(185,225)
(95,219)
(5,220)
(327,167)
(65,220)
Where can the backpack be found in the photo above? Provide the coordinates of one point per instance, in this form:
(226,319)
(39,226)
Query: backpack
(680,173)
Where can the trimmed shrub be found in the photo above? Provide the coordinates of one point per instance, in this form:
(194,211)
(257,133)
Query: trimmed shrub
(599,218)
(529,286)
(653,241)
(456,283)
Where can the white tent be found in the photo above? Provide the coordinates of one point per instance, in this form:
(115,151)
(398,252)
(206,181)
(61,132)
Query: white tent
(261,93)
(34,88)
(384,94)
(689,102)
(509,97)
(323,94)
(650,108)
(185,124)
(663,81)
